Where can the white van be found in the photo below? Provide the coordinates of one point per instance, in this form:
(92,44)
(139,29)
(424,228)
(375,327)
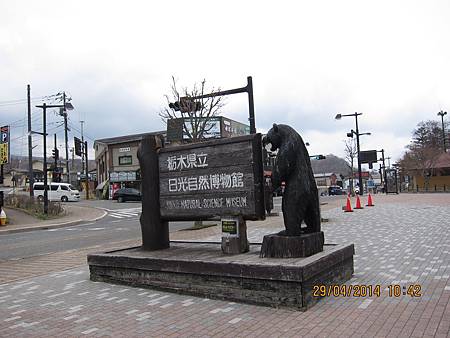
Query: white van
(57,192)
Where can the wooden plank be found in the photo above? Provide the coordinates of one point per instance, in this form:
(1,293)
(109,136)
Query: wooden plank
(195,207)
(223,141)
(209,180)
(222,155)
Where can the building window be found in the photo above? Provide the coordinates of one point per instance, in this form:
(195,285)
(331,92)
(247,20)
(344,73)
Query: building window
(125,160)
(321,182)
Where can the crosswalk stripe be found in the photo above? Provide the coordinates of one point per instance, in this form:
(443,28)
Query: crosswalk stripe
(125,213)
(116,216)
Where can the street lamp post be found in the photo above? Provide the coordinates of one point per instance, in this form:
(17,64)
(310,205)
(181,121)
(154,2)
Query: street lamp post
(442,113)
(338,117)
(383,170)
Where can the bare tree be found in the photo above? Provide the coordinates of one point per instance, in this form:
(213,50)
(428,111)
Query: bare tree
(196,115)
(351,152)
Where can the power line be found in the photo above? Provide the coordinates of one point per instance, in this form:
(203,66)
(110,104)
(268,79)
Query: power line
(78,130)
(20,101)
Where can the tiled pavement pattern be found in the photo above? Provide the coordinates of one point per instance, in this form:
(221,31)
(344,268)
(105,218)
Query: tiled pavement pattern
(395,243)
(13,270)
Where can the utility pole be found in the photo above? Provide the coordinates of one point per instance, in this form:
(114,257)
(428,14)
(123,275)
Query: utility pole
(55,154)
(72,150)
(84,160)
(30,145)
(64,113)
(44,121)
(44,133)
(82,142)
(441,114)
(87,178)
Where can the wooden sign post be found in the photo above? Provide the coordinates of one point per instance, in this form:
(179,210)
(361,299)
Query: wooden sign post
(155,231)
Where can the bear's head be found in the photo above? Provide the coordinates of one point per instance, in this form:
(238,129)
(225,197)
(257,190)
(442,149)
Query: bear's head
(273,137)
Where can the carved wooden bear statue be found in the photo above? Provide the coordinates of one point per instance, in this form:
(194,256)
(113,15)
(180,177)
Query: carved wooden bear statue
(293,166)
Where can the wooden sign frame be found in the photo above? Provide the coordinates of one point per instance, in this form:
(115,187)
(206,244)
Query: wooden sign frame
(212,179)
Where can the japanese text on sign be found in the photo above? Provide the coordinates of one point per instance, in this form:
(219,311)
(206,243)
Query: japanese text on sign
(3,153)
(208,203)
(189,161)
(206,182)
(4,145)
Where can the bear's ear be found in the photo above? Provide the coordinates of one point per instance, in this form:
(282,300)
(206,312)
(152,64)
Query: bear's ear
(275,128)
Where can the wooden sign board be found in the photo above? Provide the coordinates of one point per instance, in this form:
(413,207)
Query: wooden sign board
(216,178)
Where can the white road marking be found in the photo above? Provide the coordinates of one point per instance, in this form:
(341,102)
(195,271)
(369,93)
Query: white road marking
(116,216)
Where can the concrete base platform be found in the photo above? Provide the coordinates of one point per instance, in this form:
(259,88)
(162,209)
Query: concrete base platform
(203,270)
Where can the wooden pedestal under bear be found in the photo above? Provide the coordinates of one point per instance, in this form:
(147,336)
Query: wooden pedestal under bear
(300,198)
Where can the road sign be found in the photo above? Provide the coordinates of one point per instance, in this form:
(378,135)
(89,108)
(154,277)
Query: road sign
(368,156)
(4,145)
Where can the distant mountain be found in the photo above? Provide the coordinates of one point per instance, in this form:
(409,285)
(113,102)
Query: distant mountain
(21,162)
(331,164)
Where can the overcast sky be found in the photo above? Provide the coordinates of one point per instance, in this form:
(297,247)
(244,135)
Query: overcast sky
(309,60)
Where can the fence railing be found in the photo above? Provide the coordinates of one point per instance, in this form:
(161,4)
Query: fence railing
(424,188)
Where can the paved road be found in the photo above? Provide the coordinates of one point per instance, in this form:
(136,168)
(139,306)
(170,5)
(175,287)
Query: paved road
(121,223)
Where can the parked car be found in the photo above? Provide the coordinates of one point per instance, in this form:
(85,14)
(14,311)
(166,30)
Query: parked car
(127,194)
(335,190)
(280,190)
(56,192)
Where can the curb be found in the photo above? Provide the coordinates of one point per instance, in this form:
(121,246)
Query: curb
(52,226)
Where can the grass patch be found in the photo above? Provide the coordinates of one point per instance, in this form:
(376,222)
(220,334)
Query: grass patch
(33,207)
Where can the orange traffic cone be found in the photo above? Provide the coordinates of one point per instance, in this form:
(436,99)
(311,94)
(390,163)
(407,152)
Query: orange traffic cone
(369,202)
(358,203)
(348,207)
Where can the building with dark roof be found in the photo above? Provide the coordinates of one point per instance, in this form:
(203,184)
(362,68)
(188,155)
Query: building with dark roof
(117,163)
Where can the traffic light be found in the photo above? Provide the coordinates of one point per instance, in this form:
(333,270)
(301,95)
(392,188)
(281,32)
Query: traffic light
(77,142)
(350,134)
(175,105)
(186,106)
(55,153)
(56,176)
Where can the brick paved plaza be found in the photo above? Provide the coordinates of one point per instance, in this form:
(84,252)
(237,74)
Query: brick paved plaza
(403,240)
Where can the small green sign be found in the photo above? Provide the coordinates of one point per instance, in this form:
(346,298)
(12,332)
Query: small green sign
(230,227)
